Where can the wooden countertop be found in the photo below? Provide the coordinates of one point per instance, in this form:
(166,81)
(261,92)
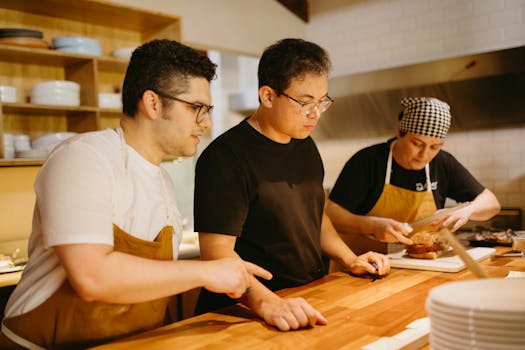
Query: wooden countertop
(359,312)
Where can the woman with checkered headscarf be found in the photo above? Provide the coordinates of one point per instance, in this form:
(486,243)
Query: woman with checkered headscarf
(409,177)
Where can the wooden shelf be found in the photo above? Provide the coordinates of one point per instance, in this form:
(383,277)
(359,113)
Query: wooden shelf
(50,57)
(96,12)
(21,162)
(112,25)
(30,108)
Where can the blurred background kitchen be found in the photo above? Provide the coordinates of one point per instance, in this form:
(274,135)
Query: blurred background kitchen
(469,53)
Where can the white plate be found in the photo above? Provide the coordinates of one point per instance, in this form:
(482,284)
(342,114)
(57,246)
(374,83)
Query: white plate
(69,40)
(478,336)
(109,100)
(81,50)
(455,342)
(486,316)
(32,153)
(8,269)
(438,342)
(485,295)
(63,84)
(123,53)
(49,141)
(56,101)
(467,324)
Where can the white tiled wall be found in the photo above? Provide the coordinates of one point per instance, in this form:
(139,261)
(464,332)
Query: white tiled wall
(365,35)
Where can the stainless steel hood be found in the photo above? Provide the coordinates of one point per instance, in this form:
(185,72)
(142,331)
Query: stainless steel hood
(486,90)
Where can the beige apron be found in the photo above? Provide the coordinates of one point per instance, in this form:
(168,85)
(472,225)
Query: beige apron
(396,203)
(65,321)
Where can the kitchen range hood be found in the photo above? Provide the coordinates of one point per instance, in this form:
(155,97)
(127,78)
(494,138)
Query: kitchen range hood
(485,90)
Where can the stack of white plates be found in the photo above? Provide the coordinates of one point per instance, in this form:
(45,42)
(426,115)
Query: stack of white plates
(8,93)
(77,44)
(56,92)
(483,314)
(49,141)
(123,53)
(109,100)
(9,146)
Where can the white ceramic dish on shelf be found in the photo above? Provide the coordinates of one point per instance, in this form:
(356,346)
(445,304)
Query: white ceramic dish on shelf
(66,85)
(56,101)
(109,100)
(81,50)
(71,40)
(77,44)
(49,141)
(32,154)
(9,146)
(56,92)
(8,94)
(123,53)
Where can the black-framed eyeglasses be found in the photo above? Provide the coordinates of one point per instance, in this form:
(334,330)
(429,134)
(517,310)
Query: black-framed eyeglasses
(202,109)
(308,108)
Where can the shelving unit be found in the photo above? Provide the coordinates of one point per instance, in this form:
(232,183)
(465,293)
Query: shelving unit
(114,26)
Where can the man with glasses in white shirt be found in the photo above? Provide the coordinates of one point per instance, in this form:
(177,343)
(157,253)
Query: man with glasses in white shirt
(106,229)
(259,191)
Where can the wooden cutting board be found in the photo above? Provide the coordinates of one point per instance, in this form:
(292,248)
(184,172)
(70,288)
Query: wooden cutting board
(448,262)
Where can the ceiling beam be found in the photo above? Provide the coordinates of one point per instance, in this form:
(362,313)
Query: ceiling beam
(297,7)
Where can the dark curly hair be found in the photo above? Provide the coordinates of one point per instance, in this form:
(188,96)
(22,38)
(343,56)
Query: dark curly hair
(162,65)
(291,58)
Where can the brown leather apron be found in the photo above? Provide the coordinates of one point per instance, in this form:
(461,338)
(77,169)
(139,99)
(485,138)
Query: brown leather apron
(65,321)
(396,203)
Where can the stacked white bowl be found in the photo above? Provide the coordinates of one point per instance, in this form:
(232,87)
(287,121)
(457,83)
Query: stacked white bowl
(21,142)
(482,314)
(8,94)
(9,146)
(56,92)
(49,141)
(123,53)
(77,44)
(110,100)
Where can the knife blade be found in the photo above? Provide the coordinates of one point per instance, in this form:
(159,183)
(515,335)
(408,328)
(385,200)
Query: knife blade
(418,224)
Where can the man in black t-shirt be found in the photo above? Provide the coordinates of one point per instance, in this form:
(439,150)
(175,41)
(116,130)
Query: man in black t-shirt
(259,193)
(409,177)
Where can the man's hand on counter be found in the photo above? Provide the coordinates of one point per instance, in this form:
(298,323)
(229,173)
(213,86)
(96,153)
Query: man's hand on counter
(372,263)
(289,314)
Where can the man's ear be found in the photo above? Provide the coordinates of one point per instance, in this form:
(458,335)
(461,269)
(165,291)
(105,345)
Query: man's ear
(152,104)
(266,95)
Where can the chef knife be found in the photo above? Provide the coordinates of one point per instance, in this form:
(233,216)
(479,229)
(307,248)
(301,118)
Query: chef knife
(418,224)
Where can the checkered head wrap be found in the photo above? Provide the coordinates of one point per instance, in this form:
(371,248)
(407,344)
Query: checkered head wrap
(425,116)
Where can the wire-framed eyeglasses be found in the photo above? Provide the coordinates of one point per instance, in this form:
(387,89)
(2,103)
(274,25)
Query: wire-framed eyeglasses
(308,108)
(201,109)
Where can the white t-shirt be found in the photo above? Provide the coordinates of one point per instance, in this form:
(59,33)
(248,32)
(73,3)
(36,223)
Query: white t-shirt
(89,183)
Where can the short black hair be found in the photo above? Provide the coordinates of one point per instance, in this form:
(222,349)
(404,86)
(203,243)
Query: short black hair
(162,65)
(291,58)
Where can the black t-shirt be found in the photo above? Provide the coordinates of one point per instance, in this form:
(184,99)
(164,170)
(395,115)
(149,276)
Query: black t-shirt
(270,196)
(361,181)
